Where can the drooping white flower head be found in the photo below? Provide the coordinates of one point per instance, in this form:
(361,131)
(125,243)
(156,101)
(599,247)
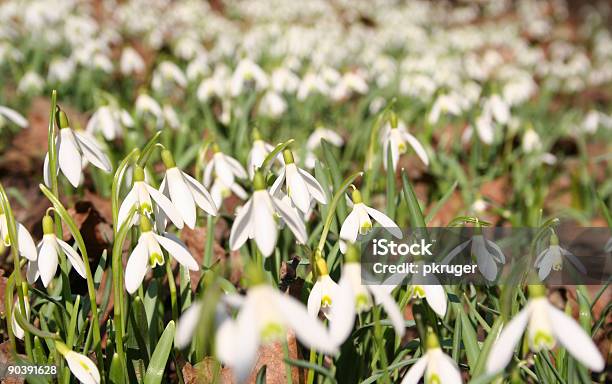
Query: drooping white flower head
(247,72)
(552,257)
(266,315)
(258,154)
(531,141)
(74,150)
(224,167)
(148,254)
(31,83)
(396,138)
(25,243)
(445,104)
(61,70)
(314,141)
(257,219)
(545,326)
(146,105)
(47,261)
(359,222)
(80,365)
(166,75)
(430,290)
(17,330)
(300,185)
(435,366)
(142,196)
(218,189)
(12,116)
(272,105)
(131,62)
(486,252)
(184,192)
(109,120)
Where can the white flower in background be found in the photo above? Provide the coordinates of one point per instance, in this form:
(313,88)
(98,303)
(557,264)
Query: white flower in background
(80,365)
(110,121)
(325,292)
(498,108)
(171,117)
(17,330)
(145,104)
(314,141)
(31,83)
(47,261)
(166,74)
(142,196)
(224,167)
(431,291)
(74,150)
(198,67)
(311,83)
(397,138)
(435,366)
(545,326)
(445,104)
(218,189)
(258,153)
(487,253)
(367,295)
(12,116)
(257,219)
(247,72)
(272,105)
(552,257)
(61,70)
(359,222)
(300,185)
(349,83)
(131,62)
(284,80)
(531,141)
(266,315)
(26,245)
(518,90)
(185,192)
(148,254)
(216,85)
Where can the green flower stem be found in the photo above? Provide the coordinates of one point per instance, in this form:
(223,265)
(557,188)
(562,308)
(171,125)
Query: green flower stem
(210,234)
(91,290)
(382,353)
(172,287)
(116,185)
(12,229)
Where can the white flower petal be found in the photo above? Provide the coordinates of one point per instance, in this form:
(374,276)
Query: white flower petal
(314,299)
(200,195)
(415,372)
(503,348)
(82,368)
(236,167)
(177,250)
(186,325)
(93,153)
(436,298)
(27,248)
(384,221)
(70,161)
(315,189)
(136,267)
(47,260)
(74,258)
(264,225)
(342,314)
(418,148)
(383,296)
(574,339)
(181,196)
(447,370)
(14,116)
(457,250)
(241,229)
(296,188)
(165,205)
(291,218)
(545,266)
(130,200)
(497,252)
(237,342)
(349,229)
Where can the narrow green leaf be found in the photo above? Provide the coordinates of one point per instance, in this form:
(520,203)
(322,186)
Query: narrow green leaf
(416,215)
(155,370)
(470,340)
(440,203)
(312,366)
(261,375)
(116,372)
(486,348)
(391,204)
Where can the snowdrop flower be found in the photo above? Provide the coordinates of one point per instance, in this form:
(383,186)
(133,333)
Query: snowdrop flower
(324,292)
(80,365)
(74,149)
(396,136)
(432,292)
(314,141)
(272,105)
(61,70)
(266,315)
(367,295)
(141,195)
(25,244)
(12,116)
(552,258)
(166,74)
(434,365)
(487,253)
(498,108)
(171,117)
(531,141)
(301,186)
(359,222)
(145,104)
(258,153)
(131,62)
(148,254)
(312,83)
(225,167)
(17,330)
(46,263)
(219,190)
(185,192)
(31,83)
(545,326)
(110,121)
(485,128)
(247,72)
(284,80)
(447,103)
(257,219)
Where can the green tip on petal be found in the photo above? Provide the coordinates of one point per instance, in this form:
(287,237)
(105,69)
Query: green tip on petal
(139,173)
(352,254)
(145,224)
(259,182)
(168,159)
(47,224)
(63,119)
(356,195)
(536,290)
(288,156)
(432,340)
